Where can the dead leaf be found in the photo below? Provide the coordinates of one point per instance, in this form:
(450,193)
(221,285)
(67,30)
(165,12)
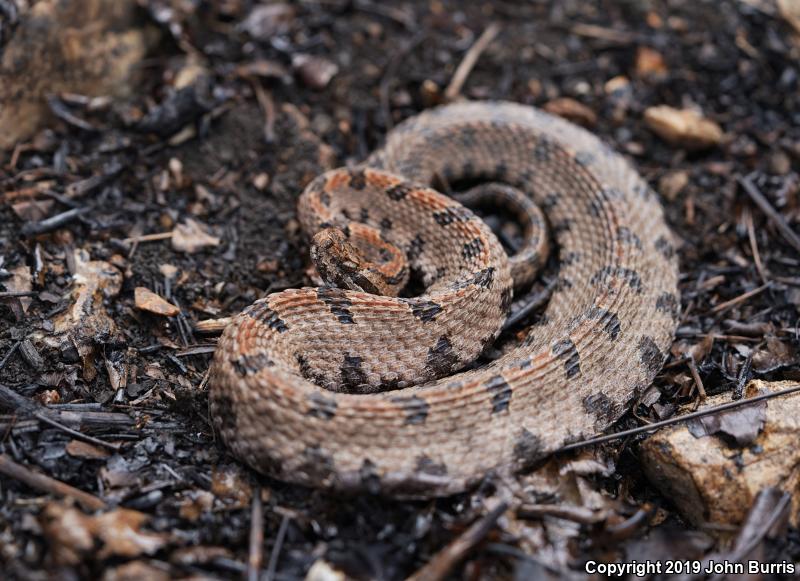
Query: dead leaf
(740,425)
(190,236)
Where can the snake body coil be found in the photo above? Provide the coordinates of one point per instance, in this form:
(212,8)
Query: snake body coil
(412,427)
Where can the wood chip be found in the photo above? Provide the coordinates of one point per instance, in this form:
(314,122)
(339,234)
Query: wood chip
(147,300)
(572,110)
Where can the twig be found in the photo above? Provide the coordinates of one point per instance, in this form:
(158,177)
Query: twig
(701,389)
(46,483)
(444,561)
(268,106)
(658,425)
(272,567)
(75,433)
(762,202)
(52,223)
(17,294)
(470,58)
(751,234)
(740,299)
(148,238)
(8,355)
(256,554)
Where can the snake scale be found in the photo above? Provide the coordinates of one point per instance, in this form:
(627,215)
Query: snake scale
(350,390)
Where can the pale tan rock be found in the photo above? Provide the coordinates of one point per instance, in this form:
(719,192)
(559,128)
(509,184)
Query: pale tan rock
(711,480)
(147,300)
(790,10)
(671,184)
(89,47)
(683,127)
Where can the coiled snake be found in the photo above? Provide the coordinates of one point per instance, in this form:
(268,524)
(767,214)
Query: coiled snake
(352,390)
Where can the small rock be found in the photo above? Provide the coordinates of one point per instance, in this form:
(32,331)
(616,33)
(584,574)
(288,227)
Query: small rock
(671,184)
(147,300)
(711,479)
(315,72)
(265,21)
(573,110)
(683,127)
(779,163)
(261,181)
(190,236)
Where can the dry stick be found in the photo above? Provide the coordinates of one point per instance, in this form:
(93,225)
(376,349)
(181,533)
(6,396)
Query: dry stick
(696,376)
(751,234)
(256,555)
(268,107)
(465,68)
(658,425)
(762,202)
(444,561)
(276,549)
(42,417)
(740,299)
(8,355)
(46,483)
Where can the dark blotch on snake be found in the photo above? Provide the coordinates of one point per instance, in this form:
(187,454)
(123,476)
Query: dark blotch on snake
(337,302)
(501,393)
(665,247)
(251,364)
(565,349)
(611,320)
(386,224)
(415,408)
(428,466)
(352,373)
(605,274)
(424,310)
(650,355)
(472,249)
(452,214)
(321,407)
(399,191)
(415,247)
(358,181)
(528,450)
(441,358)
(668,303)
(600,406)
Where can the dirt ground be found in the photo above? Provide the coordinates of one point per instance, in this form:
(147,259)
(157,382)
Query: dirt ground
(234,110)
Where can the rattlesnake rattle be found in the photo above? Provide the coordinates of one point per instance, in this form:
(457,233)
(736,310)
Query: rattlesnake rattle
(282,367)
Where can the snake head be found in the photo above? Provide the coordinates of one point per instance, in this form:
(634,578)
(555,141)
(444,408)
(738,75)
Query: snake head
(340,262)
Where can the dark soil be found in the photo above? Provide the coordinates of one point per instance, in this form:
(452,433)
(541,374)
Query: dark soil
(239,174)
